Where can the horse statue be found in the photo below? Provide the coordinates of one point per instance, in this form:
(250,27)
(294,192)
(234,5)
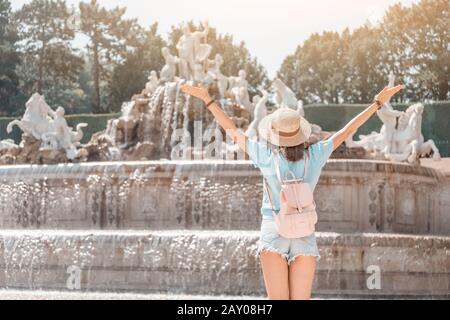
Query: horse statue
(36,120)
(400,138)
(48,126)
(408,142)
(286,98)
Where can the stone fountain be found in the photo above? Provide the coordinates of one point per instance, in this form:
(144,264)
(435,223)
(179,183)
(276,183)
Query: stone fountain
(400,138)
(121,214)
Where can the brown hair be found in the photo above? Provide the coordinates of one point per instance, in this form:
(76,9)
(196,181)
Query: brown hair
(292,154)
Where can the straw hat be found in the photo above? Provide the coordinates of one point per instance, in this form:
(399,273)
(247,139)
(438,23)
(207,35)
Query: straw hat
(285,128)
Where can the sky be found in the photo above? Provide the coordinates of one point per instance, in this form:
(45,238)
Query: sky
(272,29)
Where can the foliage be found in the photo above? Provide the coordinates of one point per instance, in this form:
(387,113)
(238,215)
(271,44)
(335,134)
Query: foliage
(46,39)
(413,42)
(110,37)
(10,95)
(130,76)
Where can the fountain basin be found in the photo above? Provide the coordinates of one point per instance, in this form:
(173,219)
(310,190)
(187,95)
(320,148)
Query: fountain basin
(352,196)
(216,262)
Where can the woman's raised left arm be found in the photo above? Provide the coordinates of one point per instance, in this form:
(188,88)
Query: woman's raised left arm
(222,118)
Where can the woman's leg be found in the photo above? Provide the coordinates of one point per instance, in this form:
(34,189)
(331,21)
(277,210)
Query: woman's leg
(276,275)
(301,277)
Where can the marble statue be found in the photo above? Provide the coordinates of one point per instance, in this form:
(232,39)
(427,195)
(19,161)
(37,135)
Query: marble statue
(400,138)
(406,143)
(215,73)
(49,127)
(8,144)
(169,70)
(61,135)
(389,117)
(199,74)
(185,47)
(192,52)
(37,117)
(380,143)
(239,90)
(202,50)
(286,98)
(300,108)
(152,84)
(259,113)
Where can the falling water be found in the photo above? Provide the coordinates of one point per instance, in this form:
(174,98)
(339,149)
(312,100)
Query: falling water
(182,228)
(192,227)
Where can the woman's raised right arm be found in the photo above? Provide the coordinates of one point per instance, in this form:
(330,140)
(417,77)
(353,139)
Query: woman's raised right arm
(384,96)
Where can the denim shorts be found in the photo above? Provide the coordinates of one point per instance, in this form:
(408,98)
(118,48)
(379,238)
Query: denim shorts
(290,249)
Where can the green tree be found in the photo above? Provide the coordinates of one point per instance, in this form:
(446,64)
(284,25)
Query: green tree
(46,41)
(317,71)
(365,66)
(110,37)
(290,74)
(416,43)
(10,96)
(236,56)
(130,76)
(411,41)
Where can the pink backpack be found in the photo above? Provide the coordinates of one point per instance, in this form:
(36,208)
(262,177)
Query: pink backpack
(297,217)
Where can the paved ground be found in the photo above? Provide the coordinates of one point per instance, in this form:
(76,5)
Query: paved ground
(58,295)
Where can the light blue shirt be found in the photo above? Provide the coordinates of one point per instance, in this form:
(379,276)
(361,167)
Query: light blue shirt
(264,158)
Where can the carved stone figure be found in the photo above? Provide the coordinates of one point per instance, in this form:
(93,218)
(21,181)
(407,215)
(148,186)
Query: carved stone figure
(36,119)
(8,144)
(239,90)
(186,54)
(168,72)
(259,113)
(215,73)
(61,135)
(406,143)
(48,127)
(202,50)
(152,84)
(199,73)
(192,51)
(300,108)
(389,117)
(285,97)
(400,138)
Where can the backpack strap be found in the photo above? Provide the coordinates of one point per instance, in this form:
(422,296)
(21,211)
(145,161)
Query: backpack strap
(278,170)
(305,171)
(276,156)
(266,187)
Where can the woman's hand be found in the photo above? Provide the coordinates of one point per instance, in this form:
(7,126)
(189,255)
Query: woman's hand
(387,93)
(198,92)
